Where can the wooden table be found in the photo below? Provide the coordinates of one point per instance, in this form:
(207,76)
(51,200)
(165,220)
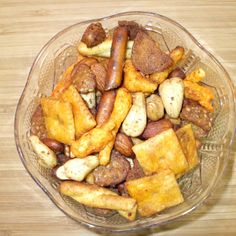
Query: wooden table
(25,26)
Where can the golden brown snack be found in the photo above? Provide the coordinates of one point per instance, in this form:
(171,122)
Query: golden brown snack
(59,120)
(105,154)
(196,76)
(188,144)
(93,141)
(116,61)
(105,106)
(94,196)
(64,83)
(176,55)
(156,127)
(83,119)
(124,144)
(162,151)
(199,93)
(134,81)
(121,108)
(147,57)
(155,193)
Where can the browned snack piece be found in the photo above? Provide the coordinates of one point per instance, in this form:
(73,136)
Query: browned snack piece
(116,61)
(196,114)
(83,78)
(114,173)
(135,172)
(124,144)
(105,106)
(132,27)
(155,127)
(147,57)
(100,75)
(177,72)
(54,145)
(62,158)
(38,127)
(94,35)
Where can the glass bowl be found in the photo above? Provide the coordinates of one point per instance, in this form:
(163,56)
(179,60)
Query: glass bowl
(60,52)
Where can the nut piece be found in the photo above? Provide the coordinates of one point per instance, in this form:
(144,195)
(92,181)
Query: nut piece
(177,72)
(155,108)
(136,120)
(54,145)
(59,173)
(172,94)
(100,74)
(154,128)
(94,35)
(46,157)
(124,144)
(147,57)
(78,168)
(38,127)
(83,78)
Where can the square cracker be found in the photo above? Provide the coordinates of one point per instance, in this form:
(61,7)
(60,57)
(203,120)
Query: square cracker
(84,120)
(162,151)
(59,120)
(155,193)
(188,144)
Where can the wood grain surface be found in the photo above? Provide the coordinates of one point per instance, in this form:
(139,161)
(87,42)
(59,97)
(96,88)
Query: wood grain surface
(25,26)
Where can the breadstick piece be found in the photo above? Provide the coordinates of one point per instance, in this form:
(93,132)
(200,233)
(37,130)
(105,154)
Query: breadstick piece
(116,61)
(95,196)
